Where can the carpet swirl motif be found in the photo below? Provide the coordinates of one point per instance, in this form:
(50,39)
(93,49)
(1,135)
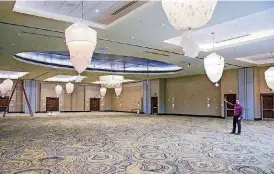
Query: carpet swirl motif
(105,143)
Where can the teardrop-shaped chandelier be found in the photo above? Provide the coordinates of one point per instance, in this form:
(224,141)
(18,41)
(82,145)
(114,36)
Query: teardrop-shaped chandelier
(69,87)
(118,90)
(58,90)
(189,14)
(103,91)
(2,89)
(8,83)
(81,41)
(269,77)
(214,66)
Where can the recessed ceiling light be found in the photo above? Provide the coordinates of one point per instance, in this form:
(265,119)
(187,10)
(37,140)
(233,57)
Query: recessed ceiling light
(96,10)
(19,34)
(131,37)
(12,44)
(163,25)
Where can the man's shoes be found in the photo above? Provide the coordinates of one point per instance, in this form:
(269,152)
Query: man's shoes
(238,134)
(232,132)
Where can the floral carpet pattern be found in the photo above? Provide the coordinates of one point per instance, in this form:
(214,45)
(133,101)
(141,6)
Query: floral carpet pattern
(105,143)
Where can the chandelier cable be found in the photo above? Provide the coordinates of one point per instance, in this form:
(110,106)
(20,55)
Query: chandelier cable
(213,40)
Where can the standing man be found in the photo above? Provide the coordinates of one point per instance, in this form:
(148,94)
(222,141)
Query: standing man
(238,115)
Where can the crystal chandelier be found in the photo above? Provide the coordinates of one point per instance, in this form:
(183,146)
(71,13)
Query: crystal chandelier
(269,77)
(8,83)
(2,90)
(118,90)
(69,87)
(214,66)
(189,14)
(81,41)
(111,81)
(103,91)
(58,90)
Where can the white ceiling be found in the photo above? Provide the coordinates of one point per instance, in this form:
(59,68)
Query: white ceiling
(145,24)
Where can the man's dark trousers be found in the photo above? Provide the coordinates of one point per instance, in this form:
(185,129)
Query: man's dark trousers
(238,122)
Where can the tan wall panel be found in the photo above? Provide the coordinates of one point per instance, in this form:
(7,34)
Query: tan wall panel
(128,100)
(190,94)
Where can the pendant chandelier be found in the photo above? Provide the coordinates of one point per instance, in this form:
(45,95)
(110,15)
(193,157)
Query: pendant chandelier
(269,77)
(58,90)
(103,91)
(8,83)
(118,91)
(214,66)
(69,87)
(81,41)
(189,14)
(111,81)
(2,90)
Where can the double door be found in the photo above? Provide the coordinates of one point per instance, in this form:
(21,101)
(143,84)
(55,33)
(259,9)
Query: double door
(52,104)
(4,102)
(94,104)
(229,109)
(154,105)
(267,105)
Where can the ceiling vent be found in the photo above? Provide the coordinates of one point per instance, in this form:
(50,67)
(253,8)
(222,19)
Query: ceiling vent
(124,7)
(233,38)
(158,54)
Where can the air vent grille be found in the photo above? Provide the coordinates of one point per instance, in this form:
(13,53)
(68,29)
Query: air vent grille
(124,7)
(159,54)
(225,40)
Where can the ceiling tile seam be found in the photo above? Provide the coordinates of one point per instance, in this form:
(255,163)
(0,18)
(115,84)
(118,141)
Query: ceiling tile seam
(59,7)
(92,8)
(74,8)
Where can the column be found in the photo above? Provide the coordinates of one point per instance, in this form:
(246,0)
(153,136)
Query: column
(246,92)
(30,88)
(146,97)
(161,108)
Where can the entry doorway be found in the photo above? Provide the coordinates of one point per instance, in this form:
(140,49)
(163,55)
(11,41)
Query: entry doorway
(228,109)
(154,105)
(94,104)
(52,104)
(267,105)
(4,102)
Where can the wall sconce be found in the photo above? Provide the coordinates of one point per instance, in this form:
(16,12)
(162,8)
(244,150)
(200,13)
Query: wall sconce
(138,103)
(173,102)
(208,103)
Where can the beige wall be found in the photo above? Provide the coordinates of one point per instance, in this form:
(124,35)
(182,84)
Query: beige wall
(77,101)
(128,100)
(190,94)
(229,85)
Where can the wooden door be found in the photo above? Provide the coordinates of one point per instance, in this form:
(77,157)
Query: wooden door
(4,101)
(228,109)
(52,104)
(154,105)
(94,104)
(267,105)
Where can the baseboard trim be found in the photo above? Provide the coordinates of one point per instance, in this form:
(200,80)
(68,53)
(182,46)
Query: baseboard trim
(20,112)
(192,115)
(122,111)
(257,119)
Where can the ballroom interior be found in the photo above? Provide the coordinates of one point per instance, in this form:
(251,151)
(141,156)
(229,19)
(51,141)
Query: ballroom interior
(136,87)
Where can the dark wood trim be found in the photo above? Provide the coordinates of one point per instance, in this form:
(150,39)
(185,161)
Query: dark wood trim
(257,119)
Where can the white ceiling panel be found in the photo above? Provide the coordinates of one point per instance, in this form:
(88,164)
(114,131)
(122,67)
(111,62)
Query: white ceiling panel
(102,7)
(68,7)
(88,6)
(52,6)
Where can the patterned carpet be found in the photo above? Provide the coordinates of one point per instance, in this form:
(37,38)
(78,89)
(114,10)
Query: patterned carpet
(99,143)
